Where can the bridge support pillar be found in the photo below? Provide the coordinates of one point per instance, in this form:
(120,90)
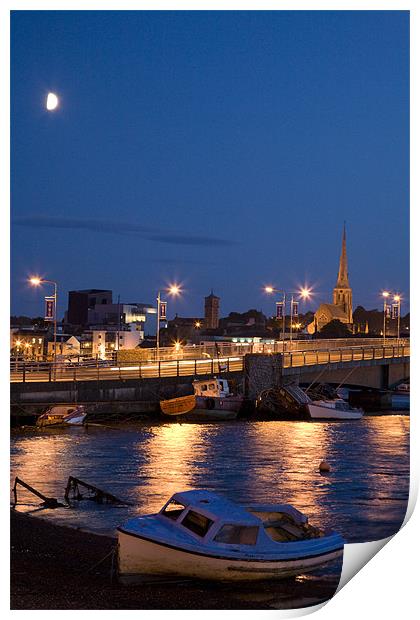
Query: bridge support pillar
(262,372)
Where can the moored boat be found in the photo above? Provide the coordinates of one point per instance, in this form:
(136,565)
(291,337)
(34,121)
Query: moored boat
(336,409)
(212,401)
(215,400)
(402,388)
(198,534)
(62,415)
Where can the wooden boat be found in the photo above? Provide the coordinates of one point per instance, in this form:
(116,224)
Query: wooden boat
(200,535)
(62,415)
(178,406)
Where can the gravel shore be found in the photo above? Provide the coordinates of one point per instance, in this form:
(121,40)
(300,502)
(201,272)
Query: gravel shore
(55,567)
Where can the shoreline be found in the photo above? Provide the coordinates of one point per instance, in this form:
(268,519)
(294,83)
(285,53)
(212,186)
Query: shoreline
(60,567)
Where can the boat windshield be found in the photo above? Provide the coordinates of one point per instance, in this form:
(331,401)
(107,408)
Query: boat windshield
(237,535)
(197,523)
(173,509)
(341,406)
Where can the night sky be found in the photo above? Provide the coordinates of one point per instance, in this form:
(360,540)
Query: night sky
(221,150)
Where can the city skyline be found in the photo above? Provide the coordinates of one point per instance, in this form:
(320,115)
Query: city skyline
(211,149)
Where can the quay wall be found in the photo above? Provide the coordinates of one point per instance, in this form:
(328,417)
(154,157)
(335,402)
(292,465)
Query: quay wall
(125,395)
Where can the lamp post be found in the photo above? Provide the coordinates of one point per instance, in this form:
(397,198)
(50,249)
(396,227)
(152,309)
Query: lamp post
(174,289)
(385,295)
(36,281)
(303,293)
(397,299)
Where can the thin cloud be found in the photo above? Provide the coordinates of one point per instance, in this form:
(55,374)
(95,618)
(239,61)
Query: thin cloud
(118,228)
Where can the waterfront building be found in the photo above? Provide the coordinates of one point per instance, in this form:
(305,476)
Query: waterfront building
(80,302)
(186,329)
(28,342)
(131,316)
(67,346)
(342,307)
(211,311)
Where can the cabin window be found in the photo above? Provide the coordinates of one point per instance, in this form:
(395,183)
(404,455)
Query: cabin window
(173,510)
(204,387)
(237,535)
(211,386)
(197,523)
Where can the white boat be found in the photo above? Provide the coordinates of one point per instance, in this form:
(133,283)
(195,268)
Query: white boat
(200,535)
(336,409)
(62,415)
(403,388)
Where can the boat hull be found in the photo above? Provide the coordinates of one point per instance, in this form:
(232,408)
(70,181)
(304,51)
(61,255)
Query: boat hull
(139,557)
(319,412)
(208,415)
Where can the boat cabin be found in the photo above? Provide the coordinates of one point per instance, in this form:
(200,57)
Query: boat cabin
(216,388)
(219,523)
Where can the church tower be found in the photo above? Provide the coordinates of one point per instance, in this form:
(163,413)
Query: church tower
(342,295)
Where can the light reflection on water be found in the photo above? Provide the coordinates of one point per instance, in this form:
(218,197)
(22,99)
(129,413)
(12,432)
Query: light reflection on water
(364,497)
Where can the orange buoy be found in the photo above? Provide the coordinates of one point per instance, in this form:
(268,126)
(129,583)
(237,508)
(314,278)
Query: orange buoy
(324,466)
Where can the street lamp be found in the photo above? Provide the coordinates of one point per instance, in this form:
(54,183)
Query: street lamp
(385,295)
(304,293)
(36,281)
(397,299)
(174,290)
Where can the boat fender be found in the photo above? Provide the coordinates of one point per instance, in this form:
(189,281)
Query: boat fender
(210,403)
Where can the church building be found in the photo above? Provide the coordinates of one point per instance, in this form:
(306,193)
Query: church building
(342,307)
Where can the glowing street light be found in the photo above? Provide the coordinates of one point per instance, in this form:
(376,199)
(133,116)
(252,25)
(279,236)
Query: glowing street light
(51,102)
(37,281)
(174,290)
(304,293)
(385,295)
(397,299)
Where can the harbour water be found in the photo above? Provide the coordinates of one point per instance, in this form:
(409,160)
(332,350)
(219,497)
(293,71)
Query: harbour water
(363,497)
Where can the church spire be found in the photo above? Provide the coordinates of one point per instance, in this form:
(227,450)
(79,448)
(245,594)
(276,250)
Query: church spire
(343,274)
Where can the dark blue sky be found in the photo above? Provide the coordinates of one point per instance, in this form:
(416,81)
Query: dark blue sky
(223,150)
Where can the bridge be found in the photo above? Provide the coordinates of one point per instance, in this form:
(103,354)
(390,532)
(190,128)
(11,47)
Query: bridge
(296,359)
(370,363)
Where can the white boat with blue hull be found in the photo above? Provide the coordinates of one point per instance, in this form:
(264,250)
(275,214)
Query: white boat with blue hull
(201,535)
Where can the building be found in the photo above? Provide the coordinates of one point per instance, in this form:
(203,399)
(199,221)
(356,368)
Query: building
(28,342)
(80,302)
(67,346)
(211,311)
(132,316)
(342,307)
(186,329)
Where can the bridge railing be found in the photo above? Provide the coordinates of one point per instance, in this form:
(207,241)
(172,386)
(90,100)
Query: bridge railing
(170,368)
(347,354)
